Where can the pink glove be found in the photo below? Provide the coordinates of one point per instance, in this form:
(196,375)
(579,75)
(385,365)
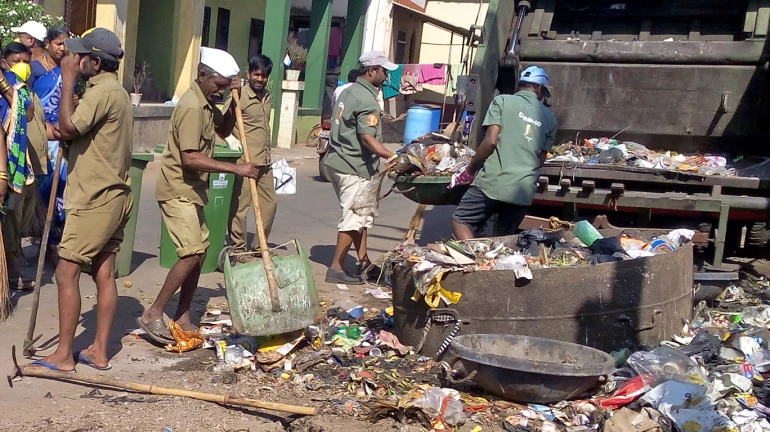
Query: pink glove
(462,178)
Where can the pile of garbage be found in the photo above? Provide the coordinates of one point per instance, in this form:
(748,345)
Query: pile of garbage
(437,159)
(531,249)
(612,152)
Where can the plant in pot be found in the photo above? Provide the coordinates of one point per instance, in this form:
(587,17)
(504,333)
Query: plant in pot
(298,57)
(141,71)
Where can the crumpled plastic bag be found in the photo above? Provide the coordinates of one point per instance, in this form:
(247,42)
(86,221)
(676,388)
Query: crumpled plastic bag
(443,401)
(665,363)
(185,340)
(368,199)
(729,384)
(687,405)
(516,262)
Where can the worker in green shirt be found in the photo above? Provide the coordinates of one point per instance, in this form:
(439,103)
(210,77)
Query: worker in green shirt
(354,156)
(520,132)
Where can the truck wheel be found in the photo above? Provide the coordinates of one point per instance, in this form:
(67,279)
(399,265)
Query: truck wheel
(759,236)
(322,168)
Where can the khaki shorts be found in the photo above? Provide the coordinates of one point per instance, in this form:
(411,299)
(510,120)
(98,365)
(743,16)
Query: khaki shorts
(347,187)
(186,224)
(89,232)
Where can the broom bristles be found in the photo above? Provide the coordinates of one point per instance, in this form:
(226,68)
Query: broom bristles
(6,307)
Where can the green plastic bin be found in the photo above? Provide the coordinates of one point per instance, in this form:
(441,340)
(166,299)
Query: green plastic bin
(139,162)
(217,213)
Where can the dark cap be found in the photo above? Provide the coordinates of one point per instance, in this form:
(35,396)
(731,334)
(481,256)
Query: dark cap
(97,41)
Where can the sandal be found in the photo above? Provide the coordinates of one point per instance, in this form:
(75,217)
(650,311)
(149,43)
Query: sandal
(157,330)
(20,284)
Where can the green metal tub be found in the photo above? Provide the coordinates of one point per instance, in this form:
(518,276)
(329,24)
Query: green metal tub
(428,190)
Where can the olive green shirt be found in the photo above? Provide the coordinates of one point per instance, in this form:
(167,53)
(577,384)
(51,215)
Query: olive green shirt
(99,159)
(38,139)
(527,128)
(256,123)
(192,127)
(357,113)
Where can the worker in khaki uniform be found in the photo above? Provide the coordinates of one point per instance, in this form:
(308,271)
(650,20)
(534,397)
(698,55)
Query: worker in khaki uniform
(98,194)
(182,187)
(256,104)
(354,157)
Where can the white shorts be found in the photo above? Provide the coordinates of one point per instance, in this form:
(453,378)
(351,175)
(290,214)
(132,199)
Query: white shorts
(347,187)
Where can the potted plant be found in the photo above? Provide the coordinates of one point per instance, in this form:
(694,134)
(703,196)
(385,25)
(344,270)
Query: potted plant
(298,57)
(141,71)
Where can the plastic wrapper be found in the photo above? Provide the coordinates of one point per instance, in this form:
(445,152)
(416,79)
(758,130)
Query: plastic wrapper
(445,402)
(185,340)
(368,199)
(664,364)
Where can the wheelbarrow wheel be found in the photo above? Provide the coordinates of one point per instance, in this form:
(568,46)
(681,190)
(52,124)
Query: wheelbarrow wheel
(222,257)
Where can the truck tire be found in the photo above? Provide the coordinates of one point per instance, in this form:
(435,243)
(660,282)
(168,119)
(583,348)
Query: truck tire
(759,236)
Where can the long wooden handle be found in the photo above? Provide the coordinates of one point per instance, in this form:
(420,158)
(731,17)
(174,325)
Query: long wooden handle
(41,259)
(272,284)
(39,372)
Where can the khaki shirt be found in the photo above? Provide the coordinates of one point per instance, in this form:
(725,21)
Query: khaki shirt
(37,139)
(256,123)
(99,159)
(192,127)
(357,113)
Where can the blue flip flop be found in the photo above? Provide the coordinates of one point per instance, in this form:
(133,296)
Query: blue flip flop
(45,364)
(82,359)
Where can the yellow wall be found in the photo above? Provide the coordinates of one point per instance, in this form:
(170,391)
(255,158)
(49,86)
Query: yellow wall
(241,13)
(121,17)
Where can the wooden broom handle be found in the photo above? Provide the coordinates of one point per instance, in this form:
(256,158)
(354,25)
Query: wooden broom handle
(268,262)
(34,371)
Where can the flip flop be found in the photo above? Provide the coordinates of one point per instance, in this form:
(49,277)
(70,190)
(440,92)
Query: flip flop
(51,366)
(153,328)
(20,284)
(83,359)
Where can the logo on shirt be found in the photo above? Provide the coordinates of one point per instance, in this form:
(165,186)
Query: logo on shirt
(372,120)
(341,105)
(530,120)
(528,132)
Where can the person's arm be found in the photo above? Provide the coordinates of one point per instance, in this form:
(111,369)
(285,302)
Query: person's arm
(8,89)
(70,70)
(226,128)
(367,122)
(197,161)
(52,131)
(486,148)
(550,140)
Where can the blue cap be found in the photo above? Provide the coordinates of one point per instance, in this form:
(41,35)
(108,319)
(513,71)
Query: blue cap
(535,75)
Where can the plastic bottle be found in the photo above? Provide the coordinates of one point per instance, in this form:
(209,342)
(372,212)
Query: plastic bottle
(586,233)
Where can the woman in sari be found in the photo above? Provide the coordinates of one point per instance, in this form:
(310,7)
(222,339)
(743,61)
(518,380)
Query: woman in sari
(46,82)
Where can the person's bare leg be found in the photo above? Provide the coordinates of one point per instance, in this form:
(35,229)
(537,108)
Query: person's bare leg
(67,279)
(174,280)
(344,240)
(189,286)
(359,243)
(106,304)
(461,231)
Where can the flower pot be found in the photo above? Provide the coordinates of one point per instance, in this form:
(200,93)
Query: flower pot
(136,99)
(292,75)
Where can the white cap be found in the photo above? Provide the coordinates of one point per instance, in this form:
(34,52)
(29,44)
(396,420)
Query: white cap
(220,61)
(32,28)
(377,58)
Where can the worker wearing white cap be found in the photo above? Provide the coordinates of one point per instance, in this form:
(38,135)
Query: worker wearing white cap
(182,187)
(32,34)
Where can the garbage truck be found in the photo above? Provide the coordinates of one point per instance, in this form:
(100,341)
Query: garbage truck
(686,76)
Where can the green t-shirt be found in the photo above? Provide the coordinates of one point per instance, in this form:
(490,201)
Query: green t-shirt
(527,128)
(357,113)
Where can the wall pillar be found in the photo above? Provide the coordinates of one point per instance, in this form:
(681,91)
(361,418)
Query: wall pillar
(379,26)
(318,53)
(122,18)
(188,29)
(353,37)
(274,46)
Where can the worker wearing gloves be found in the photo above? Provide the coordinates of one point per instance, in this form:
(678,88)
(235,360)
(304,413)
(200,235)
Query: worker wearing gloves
(520,132)
(182,187)
(256,104)
(354,156)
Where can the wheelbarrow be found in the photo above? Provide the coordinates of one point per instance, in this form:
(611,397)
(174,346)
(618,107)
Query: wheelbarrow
(270,294)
